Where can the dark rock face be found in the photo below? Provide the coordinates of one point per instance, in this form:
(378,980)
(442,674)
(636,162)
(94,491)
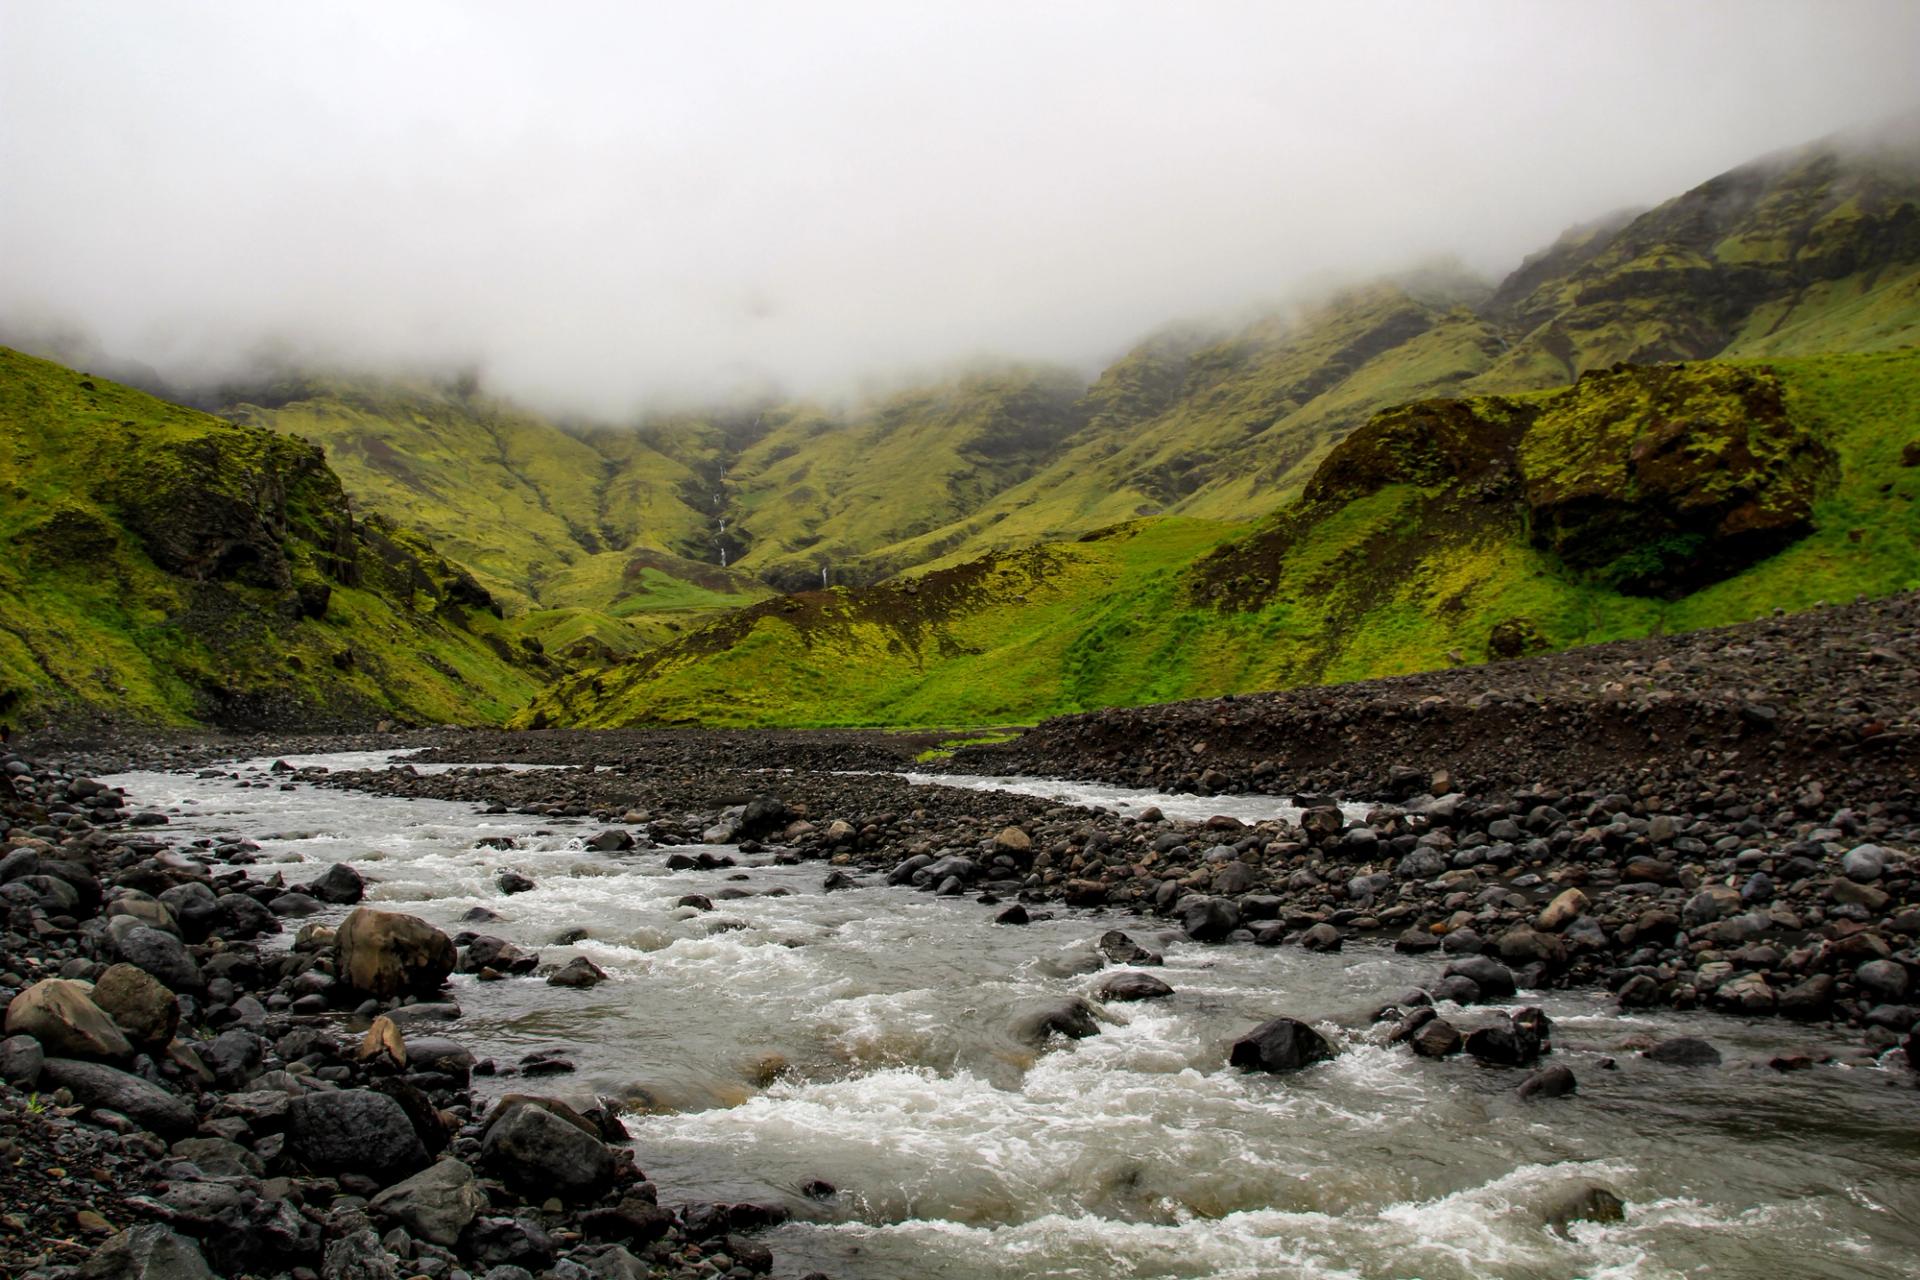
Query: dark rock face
(1281,1044)
(529,1146)
(354,1131)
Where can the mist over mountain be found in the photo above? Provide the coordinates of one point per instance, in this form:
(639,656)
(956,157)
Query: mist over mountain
(612,209)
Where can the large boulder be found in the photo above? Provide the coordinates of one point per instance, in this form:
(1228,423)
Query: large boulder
(138,1003)
(61,1015)
(543,1149)
(386,954)
(146,1252)
(1659,479)
(146,1104)
(435,1204)
(353,1131)
(1280,1044)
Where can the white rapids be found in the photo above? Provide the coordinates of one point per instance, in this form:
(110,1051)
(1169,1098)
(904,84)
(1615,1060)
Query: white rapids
(861,1038)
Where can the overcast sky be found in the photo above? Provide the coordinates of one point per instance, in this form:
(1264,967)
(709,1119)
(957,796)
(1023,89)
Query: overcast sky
(610,204)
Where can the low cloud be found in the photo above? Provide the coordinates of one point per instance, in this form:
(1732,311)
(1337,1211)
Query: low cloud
(608,206)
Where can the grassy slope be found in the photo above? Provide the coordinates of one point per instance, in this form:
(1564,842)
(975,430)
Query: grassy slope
(88,617)
(1386,583)
(590,524)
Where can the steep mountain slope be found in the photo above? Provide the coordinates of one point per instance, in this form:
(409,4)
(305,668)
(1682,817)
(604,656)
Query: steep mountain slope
(552,522)
(1639,500)
(1810,251)
(164,564)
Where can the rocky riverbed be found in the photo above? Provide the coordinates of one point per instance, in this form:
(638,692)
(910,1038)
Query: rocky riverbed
(200,1076)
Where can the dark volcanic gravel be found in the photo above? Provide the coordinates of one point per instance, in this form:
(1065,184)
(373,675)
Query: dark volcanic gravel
(1831,696)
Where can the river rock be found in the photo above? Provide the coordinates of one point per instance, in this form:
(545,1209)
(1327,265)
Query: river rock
(636,1220)
(1684,1051)
(488,952)
(21,1059)
(1864,864)
(1554,1082)
(138,1004)
(385,953)
(146,1252)
(1321,937)
(440,1054)
(1436,1038)
(1885,980)
(1133,986)
(1207,919)
(533,1149)
(164,956)
(105,1087)
(1280,1044)
(1493,979)
(613,840)
(353,1131)
(339,884)
(1072,1018)
(1511,1042)
(1119,948)
(577,972)
(1812,998)
(435,1204)
(358,1255)
(61,1015)
(1582,1202)
(1569,906)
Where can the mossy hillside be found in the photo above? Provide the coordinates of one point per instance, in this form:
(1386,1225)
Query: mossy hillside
(168,565)
(1811,251)
(982,643)
(1770,258)
(1411,550)
(821,492)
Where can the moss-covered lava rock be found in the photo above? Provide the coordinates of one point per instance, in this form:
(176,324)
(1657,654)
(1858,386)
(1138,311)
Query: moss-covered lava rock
(1661,480)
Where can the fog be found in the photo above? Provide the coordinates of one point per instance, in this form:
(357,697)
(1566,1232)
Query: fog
(604,206)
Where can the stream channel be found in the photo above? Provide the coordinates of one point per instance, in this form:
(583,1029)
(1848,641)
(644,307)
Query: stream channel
(861,1038)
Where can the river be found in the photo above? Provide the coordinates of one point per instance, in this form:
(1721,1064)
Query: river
(861,1038)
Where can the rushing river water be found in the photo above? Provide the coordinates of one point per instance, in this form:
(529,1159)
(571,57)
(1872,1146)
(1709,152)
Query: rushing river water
(861,1038)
